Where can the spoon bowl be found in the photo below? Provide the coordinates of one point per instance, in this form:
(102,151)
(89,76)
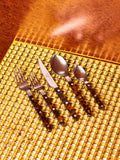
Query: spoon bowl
(59,65)
(80,73)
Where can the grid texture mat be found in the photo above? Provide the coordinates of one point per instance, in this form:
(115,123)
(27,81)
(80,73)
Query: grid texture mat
(22,134)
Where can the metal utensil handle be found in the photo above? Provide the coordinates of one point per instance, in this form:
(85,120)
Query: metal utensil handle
(80,97)
(67,104)
(55,111)
(41,113)
(101,105)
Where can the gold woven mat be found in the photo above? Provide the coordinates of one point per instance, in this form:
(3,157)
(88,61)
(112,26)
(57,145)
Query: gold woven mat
(22,134)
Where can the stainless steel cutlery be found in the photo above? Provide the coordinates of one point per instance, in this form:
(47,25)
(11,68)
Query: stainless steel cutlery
(60,67)
(81,75)
(23,85)
(37,86)
(53,84)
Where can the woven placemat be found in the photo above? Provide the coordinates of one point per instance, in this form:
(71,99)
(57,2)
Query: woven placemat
(22,134)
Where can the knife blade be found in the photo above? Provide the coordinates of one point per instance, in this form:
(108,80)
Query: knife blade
(53,84)
(47,75)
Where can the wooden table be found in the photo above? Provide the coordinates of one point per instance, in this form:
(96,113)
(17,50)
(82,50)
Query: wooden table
(11,14)
(28,16)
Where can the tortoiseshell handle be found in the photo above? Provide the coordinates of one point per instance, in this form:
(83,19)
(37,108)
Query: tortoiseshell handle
(67,104)
(41,113)
(101,105)
(55,111)
(80,97)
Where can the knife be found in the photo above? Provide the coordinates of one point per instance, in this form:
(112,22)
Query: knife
(53,84)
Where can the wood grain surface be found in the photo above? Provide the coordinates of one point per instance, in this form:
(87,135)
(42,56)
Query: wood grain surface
(34,21)
(11,14)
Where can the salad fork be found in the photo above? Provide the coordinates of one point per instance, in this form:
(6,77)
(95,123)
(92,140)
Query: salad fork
(23,85)
(37,86)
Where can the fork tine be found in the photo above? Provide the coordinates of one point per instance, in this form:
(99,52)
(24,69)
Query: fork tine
(22,78)
(16,75)
(31,79)
(36,79)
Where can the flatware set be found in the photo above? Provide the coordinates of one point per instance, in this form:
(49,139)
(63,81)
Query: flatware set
(53,84)
(37,86)
(23,85)
(60,67)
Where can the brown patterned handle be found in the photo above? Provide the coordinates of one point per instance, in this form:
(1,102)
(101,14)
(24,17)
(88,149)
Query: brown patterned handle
(41,113)
(80,97)
(101,105)
(55,111)
(67,104)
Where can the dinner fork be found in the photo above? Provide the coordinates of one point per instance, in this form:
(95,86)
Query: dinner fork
(37,86)
(23,85)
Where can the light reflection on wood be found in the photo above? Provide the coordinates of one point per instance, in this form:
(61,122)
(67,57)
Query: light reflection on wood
(40,22)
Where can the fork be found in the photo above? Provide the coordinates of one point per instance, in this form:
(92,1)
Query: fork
(23,85)
(37,86)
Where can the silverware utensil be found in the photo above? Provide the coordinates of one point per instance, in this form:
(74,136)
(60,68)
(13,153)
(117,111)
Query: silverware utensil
(60,67)
(23,85)
(82,76)
(37,86)
(53,84)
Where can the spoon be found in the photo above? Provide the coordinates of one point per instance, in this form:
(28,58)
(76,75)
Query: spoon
(60,67)
(81,75)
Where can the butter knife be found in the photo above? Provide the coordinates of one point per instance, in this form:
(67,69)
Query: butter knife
(53,84)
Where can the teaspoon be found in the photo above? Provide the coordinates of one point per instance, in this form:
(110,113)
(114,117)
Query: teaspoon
(60,67)
(81,75)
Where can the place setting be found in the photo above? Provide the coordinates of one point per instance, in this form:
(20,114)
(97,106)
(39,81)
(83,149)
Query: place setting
(60,67)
